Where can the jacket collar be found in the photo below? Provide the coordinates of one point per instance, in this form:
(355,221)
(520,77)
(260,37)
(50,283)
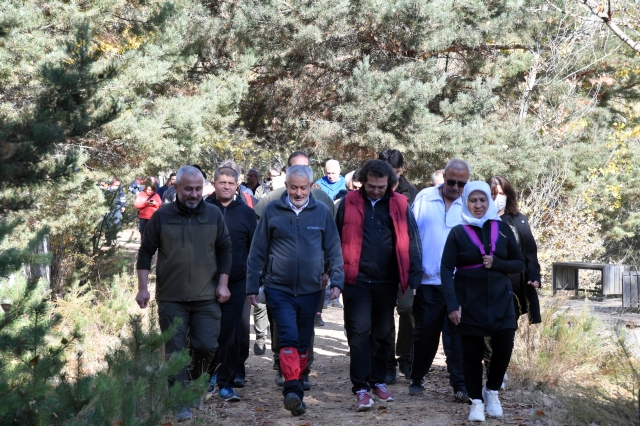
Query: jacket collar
(282,201)
(433,194)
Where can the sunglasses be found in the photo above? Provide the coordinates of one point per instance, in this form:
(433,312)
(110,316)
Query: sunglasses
(452,183)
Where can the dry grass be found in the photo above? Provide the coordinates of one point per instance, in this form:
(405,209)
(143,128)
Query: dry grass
(576,369)
(101,316)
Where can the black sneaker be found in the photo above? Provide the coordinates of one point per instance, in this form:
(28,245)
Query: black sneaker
(404,365)
(293,403)
(279,379)
(416,387)
(390,376)
(276,364)
(306,383)
(239,381)
(461,396)
(259,347)
(318,321)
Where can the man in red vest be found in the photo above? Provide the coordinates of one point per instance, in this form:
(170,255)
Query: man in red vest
(381,251)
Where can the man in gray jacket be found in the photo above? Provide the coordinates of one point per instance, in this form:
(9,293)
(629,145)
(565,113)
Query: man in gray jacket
(295,243)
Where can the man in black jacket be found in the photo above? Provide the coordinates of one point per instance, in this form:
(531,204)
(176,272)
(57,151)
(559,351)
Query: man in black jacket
(381,250)
(294,235)
(401,348)
(241,223)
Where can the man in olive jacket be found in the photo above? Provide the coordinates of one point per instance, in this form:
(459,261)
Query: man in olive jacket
(194,261)
(294,235)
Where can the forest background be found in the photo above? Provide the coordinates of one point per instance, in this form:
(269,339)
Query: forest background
(542,92)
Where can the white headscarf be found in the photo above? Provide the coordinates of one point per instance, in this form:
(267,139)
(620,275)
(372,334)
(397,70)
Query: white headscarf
(490,214)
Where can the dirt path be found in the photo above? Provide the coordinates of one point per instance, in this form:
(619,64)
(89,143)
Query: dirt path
(330,401)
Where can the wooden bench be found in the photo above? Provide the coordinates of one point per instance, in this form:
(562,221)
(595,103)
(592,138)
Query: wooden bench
(565,276)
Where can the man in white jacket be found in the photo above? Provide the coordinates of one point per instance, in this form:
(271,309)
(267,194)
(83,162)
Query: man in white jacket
(437,209)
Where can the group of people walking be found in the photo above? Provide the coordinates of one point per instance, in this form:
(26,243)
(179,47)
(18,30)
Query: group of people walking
(457,259)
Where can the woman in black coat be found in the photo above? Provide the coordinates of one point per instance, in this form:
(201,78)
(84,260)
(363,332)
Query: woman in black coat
(477,259)
(525,283)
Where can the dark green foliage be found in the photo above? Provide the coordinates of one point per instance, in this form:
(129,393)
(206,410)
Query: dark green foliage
(42,383)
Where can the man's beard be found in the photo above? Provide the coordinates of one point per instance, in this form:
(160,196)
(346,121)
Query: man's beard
(191,205)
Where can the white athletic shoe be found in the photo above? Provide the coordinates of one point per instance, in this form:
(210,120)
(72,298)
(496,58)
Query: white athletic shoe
(476,413)
(494,409)
(502,386)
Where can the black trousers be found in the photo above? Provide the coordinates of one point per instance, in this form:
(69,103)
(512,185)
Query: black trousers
(406,323)
(230,333)
(473,352)
(245,338)
(367,312)
(201,322)
(429,312)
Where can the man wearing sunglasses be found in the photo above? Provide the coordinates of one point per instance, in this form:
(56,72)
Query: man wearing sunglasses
(437,209)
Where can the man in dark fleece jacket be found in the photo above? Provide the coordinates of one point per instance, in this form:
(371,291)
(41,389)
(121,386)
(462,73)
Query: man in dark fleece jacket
(241,223)
(194,261)
(293,237)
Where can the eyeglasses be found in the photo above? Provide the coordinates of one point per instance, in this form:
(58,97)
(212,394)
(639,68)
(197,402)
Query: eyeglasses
(453,183)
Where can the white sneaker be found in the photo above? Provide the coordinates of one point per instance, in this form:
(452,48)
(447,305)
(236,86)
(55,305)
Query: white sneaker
(476,413)
(502,386)
(494,409)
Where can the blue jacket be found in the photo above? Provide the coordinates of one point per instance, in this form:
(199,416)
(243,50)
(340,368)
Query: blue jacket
(331,189)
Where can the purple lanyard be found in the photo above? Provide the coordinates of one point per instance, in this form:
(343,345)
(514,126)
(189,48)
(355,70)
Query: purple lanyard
(476,242)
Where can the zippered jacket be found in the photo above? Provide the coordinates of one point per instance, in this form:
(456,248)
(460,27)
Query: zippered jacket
(379,243)
(241,224)
(193,247)
(289,249)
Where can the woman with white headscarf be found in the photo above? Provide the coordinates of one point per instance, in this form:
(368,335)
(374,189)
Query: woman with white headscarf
(478,257)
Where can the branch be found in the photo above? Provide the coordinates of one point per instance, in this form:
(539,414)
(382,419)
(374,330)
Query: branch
(606,18)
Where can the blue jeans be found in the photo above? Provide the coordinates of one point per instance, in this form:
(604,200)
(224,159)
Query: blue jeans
(293,316)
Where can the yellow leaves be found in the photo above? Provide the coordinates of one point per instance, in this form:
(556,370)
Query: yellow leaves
(108,45)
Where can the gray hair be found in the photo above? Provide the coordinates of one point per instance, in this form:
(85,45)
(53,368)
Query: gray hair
(189,171)
(300,171)
(254,171)
(457,164)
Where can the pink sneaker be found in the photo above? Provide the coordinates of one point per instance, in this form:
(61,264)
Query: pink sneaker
(363,400)
(380,391)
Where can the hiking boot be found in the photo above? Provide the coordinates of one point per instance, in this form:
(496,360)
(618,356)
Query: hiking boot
(461,396)
(276,364)
(336,304)
(183,414)
(381,392)
(494,408)
(293,403)
(416,387)
(476,412)
(259,347)
(363,400)
(318,321)
(239,381)
(404,365)
(306,383)
(390,376)
(229,395)
(279,378)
